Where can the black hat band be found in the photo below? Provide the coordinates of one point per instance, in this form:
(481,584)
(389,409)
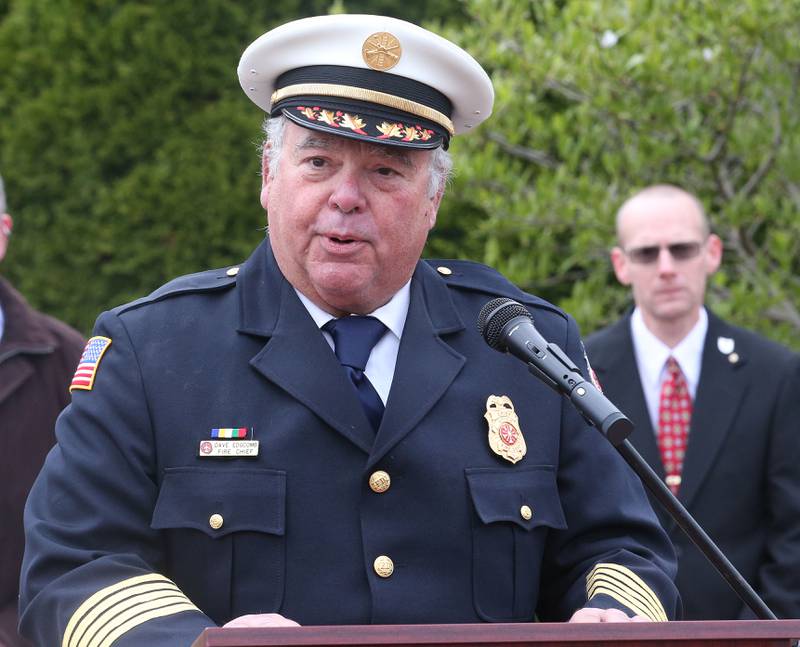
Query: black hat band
(362,94)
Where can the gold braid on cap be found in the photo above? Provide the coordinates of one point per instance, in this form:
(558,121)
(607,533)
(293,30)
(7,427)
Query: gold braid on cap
(360,94)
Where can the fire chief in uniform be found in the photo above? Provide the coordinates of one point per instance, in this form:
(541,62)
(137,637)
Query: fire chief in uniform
(320,435)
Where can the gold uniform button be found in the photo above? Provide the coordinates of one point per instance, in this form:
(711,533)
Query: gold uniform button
(733,358)
(444,271)
(379,481)
(383,566)
(233,271)
(526,513)
(216,521)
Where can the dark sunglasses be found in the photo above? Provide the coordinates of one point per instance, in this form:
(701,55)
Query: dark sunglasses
(678,251)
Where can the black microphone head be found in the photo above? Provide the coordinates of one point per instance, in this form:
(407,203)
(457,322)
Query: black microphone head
(495,315)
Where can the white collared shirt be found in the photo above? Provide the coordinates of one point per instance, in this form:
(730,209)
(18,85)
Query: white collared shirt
(383,358)
(652,354)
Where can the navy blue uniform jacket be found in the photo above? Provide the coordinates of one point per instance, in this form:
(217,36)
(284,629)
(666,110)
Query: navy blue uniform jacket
(120,548)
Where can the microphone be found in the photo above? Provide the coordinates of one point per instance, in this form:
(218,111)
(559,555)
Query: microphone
(507,326)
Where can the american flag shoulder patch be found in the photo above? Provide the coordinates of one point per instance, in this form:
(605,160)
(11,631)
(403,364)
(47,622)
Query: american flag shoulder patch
(87,366)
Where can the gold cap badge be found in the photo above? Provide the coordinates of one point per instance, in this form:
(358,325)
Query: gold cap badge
(381,51)
(505,436)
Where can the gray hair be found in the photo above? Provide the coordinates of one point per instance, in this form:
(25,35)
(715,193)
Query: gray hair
(441,165)
(3,205)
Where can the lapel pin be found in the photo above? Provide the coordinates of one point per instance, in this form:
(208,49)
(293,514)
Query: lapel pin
(505,436)
(725,345)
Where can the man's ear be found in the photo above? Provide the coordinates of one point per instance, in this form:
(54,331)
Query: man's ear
(713,254)
(265,177)
(620,263)
(436,200)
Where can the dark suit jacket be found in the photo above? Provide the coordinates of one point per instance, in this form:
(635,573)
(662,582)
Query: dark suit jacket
(38,355)
(126,499)
(741,474)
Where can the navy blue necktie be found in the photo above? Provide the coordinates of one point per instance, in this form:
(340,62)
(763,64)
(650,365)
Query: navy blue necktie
(353,338)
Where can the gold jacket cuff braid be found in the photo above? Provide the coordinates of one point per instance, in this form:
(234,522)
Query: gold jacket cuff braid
(116,609)
(627,588)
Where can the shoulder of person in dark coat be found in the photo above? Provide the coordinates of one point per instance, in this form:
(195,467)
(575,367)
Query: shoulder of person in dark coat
(480,278)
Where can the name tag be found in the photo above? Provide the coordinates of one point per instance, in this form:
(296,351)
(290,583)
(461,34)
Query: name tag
(228,448)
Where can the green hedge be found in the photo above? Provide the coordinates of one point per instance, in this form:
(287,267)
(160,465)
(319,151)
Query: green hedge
(127,147)
(596,98)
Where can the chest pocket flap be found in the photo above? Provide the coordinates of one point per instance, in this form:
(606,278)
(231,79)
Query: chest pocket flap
(238,499)
(511,495)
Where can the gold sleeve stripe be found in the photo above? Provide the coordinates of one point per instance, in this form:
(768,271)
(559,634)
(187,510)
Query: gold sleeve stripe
(143,614)
(96,598)
(635,583)
(631,594)
(128,597)
(626,587)
(626,592)
(104,625)
(120,599)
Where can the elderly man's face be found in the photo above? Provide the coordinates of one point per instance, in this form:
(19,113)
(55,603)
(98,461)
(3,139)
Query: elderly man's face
(347,220)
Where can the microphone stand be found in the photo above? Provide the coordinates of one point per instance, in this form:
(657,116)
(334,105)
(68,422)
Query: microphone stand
(600,412)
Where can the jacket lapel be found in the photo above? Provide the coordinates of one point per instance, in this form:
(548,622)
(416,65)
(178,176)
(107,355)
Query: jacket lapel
(296,356)
(426,364)
(722,386)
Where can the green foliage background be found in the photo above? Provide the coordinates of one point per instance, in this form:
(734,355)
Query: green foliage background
(129,151)
(597,98)
(127,147)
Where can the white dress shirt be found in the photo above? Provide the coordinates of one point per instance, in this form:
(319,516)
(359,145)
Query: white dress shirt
(382,359)
(652,354)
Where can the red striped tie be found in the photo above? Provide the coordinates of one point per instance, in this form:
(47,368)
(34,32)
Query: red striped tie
(674,417)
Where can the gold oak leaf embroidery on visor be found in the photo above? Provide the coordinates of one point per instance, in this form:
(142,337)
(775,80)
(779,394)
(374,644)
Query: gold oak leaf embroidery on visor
(116,609)
(340,119)
(403,132)
(625,587)
(328,117)
(391,130)
(336,119)
(353,122)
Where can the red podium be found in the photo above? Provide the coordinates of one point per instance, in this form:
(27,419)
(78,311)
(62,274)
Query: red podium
(735,633)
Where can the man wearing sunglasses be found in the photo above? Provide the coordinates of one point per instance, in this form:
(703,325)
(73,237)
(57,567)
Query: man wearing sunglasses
(716,407)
